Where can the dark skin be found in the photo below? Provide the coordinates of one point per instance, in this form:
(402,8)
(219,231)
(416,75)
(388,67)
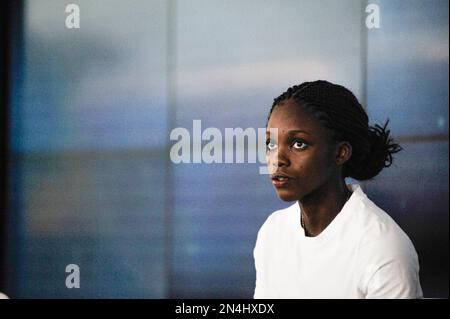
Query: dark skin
(312,160)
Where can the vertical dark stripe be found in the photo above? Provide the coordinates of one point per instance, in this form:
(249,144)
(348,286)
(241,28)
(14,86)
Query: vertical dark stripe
(169,169)
(4,127)
(11,19)
(364,54)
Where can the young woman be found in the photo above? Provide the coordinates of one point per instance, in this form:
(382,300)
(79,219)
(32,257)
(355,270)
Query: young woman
(333,242)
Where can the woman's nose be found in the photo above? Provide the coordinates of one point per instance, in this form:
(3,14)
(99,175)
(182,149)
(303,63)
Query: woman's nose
(280,157)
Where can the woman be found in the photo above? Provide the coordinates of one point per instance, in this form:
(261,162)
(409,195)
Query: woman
(333,242)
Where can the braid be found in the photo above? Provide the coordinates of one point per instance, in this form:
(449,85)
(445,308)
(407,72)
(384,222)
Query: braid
(286,96)
(338,110)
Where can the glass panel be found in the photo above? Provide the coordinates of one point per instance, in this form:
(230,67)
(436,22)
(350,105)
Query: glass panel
(408,82)
(233,59)
(408,67)
(88,135)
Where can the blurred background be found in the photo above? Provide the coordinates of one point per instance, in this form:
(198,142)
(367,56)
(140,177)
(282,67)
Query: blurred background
(87,113)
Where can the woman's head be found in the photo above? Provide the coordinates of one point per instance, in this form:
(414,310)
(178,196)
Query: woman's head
(342,142)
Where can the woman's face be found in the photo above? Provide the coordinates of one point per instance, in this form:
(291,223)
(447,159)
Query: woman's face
(301,157)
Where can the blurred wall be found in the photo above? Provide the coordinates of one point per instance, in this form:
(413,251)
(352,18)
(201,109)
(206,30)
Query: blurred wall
(92,182)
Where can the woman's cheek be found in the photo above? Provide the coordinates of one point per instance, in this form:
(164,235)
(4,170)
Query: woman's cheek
(271,167)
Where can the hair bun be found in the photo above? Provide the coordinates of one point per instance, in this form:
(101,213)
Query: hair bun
(379,156)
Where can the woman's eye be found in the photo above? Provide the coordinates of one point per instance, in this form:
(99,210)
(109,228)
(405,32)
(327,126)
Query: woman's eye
(299,145)
(270,145)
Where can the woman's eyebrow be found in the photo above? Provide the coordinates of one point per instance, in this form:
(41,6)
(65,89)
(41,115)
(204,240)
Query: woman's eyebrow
(298,131)
(293,131)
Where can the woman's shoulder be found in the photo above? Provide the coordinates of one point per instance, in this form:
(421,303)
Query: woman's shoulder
(280,218)
(388,261)
(380,231)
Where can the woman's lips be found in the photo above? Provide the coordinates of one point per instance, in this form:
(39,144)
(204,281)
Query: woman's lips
(280,180)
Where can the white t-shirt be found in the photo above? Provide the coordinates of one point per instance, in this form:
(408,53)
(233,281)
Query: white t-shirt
(362,253)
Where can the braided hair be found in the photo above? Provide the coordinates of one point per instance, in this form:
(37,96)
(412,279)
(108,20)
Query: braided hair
(338,110)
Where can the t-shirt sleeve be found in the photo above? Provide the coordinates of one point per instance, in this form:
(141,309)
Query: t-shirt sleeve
(394,280)
(259,284)
(259,257)
(390,268)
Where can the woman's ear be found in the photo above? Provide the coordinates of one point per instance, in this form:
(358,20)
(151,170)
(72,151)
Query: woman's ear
(343,152)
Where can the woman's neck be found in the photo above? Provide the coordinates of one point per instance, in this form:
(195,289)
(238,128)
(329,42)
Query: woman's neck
(321,207)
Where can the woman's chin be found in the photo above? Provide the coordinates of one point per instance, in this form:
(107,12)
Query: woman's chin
(286,196)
